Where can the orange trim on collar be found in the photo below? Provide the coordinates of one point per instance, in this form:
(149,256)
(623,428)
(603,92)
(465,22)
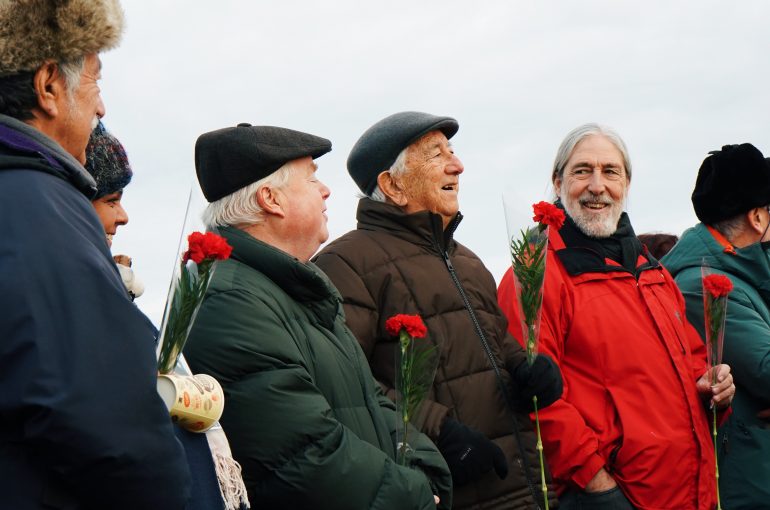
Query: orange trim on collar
(722,240)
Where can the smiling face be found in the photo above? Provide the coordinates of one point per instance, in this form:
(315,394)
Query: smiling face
(594,186)
(111,213)
(432,179)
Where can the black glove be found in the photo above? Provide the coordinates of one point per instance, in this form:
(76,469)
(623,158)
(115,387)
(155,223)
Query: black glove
(469,453)
(542,378)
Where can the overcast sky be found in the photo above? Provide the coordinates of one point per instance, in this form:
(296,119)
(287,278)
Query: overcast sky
(676,79)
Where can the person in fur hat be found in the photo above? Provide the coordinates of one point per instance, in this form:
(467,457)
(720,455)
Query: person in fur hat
(732,201)
(81,423)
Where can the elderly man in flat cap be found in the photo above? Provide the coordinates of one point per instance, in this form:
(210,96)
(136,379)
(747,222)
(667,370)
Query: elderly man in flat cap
(732,199)
(306,419)
(81,424)
(632,427)
(403,259)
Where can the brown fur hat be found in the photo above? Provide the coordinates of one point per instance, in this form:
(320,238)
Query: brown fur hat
(33,31)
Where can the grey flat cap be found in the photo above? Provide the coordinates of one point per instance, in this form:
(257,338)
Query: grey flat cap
(380,145)
(229,159)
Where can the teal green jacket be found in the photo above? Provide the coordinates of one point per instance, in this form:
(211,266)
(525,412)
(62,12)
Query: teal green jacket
(744,440)
(303,413)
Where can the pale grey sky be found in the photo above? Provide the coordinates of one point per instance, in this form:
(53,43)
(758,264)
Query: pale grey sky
(676,79)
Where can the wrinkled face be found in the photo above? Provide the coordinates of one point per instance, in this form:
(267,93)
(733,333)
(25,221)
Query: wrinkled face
(82,110)
(594,186)
(111,213)
(305,209)
(432,178)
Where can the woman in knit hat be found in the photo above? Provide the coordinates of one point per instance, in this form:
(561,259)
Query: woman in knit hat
(217,483)
(107,162)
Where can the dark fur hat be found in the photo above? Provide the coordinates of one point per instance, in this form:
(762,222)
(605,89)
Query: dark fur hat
(33,31)
(730,182)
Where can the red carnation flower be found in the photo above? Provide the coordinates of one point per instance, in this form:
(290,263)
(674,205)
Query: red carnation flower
(411,323)
(718,285)
(206,246)
(548,214)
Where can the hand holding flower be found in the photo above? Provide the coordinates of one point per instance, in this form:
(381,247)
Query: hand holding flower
(721,394)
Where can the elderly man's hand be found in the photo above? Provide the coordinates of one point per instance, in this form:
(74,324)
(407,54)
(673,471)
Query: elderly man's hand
(723,391)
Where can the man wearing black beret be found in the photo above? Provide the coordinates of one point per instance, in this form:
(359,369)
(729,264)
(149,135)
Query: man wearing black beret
(731,198)
(403,259)
(305,417)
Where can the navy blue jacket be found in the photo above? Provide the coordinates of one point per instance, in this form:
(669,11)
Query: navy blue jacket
(81,424)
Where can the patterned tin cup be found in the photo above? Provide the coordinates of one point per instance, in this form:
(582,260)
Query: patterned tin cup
(194,402)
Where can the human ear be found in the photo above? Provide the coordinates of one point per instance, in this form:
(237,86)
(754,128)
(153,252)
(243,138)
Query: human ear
(49,86)
(391,188)
(557,187)
(270,200)
(754,217)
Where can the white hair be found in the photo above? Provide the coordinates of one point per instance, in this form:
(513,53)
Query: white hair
(577,135)
(240,209)
(72,71)
(397,169)
(731,227)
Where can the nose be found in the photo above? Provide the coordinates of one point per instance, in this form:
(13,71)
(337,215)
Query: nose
(101,111)
(325,191)
(121,217)
(597,184)
(455,166)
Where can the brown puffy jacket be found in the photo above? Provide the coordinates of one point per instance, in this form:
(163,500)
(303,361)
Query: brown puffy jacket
(395,263)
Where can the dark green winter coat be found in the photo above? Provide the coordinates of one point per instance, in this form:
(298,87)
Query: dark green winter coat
(744,440)
(303,413)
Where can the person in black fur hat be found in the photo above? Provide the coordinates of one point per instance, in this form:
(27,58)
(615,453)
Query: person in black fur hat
(732,198)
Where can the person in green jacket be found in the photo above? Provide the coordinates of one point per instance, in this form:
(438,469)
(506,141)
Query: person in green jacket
(305,417)
(732,199)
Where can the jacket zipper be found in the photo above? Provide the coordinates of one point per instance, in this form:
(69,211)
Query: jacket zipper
(485,344)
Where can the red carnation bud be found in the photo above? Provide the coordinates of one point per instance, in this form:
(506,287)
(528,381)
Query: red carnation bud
(717,285)
(548,215)
(411,323)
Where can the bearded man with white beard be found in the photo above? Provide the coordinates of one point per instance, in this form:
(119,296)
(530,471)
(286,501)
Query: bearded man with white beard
(631,429)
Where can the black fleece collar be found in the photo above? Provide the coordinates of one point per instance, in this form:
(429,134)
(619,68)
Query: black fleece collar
(585,254)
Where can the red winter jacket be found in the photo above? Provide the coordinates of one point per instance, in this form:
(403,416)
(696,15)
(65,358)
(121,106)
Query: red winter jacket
(629,360)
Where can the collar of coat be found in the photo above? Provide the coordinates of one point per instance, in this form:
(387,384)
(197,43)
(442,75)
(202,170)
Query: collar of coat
(750,264)
(24,147)
(621,252)
(422,228)
(303,282)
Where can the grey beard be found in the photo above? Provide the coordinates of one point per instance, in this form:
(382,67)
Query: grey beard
(593,227)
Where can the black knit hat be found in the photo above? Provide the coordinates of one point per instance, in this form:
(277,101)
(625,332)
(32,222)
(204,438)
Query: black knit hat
(229,159)
(730,182)
(107,162)
(380,145)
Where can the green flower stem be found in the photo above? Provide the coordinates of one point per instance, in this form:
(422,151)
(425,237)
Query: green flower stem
(543,485)
(185,302)
(716,462)
(406,373)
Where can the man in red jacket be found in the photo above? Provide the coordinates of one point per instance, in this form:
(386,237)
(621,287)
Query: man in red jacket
(631,429)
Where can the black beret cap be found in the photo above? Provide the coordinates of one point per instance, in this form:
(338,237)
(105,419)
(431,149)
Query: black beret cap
(380,145)
(730,182)
(229,159)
